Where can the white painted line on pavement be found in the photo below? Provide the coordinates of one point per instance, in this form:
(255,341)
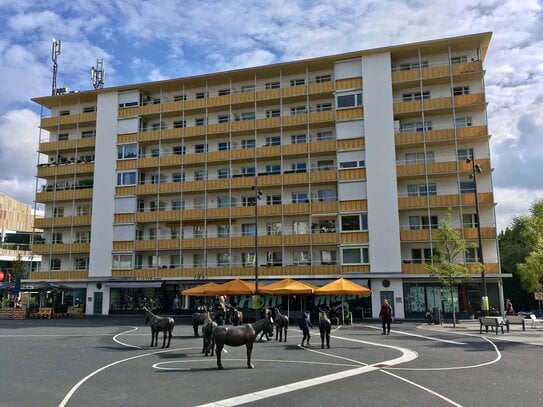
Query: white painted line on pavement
(431,338)
(126,344)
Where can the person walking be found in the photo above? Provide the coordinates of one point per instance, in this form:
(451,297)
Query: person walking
(305,324)
(386,317)
(509,308)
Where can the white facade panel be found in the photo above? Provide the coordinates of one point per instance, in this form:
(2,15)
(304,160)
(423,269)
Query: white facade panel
(356,155)
(125,204)
(350,129)
(124,233)
(383,218)
(126,126)
(103,201)
(349,191)
(129,97)
(351,68)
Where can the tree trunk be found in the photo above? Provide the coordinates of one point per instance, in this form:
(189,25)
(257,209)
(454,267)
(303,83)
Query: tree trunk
(452,304)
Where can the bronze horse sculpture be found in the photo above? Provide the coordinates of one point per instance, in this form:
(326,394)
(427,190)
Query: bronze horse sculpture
(159,324)
(198,319)
(238,336)
(281,324)
(325,326)
(207,333)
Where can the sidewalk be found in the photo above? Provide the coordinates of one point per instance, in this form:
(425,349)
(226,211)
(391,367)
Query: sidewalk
(532,336)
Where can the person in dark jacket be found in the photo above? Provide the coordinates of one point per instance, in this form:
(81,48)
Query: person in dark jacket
(386,317)
(305,324)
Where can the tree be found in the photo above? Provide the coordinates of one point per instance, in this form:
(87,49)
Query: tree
(531,271)
(448,250)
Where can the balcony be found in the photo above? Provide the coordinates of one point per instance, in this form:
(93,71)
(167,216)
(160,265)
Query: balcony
(438,70)
(437,104)
(444,201)
(420,268)
(67,145)
(68,121)
(442,135)
(42,223)
(438,168)
(61,248)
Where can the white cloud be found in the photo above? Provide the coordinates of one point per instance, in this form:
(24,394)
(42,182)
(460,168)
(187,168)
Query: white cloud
(513,202)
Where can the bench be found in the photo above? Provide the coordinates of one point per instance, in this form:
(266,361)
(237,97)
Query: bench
(493,322)
(516,319)
(45,313)
(75,312)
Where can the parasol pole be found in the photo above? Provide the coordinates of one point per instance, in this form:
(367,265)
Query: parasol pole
(342,312)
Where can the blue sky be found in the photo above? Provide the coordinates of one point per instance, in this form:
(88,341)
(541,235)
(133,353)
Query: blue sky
(151,40)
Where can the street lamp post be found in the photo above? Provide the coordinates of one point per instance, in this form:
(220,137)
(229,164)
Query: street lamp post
(476,169)
(258,195)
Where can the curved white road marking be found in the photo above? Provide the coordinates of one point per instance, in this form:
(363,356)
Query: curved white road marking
(134,328)
(158,366)
(82,381)
(431,338)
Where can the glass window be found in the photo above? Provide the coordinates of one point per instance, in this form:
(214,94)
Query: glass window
(300,228)
(223,230)
(178,177)
(273,141)
(223,173)
(324,107)
(58,212)
(459,60)
(301,258)
(247,88)
(464,154)
(325,135)
(352,100)
(273,85)
(177,124)
(179,98)
(223,92)
(55,264)
(460,90)
(223,259)
(179,150)
(326,195)
(274,258)
(299,167)
(250,143)
(198,232)
(273,168)
(273,199)
(178,205)
(247,259)
(122,261)
(297,110)
(81,263)
(127,151)
(175,232)
(199,121)
(248,229)
(461,122)
(126,178)
(198,260)
(223,202)
(224,146)
(328,257)
(297,82)
(273,228)
(200,148)
(199,175)
(298,138)
(248,171)
(467,187)
(350,223)
(248,116)
(323,78)
(352,256)
(223,119)
(299,197)
(273,113)
(470,220)
(63,136)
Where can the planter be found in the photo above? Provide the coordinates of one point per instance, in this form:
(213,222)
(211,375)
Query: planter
(12,313)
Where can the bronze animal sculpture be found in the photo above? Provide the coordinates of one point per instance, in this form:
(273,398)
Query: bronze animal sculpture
(325,326)
(198,319)
(207,333)
(159,324)
(237,317)
(238,336)
(281,325)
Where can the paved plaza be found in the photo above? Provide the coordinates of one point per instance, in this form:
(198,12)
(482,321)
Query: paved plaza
(108,362)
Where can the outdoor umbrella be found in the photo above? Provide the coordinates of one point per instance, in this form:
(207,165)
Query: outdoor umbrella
(233,287)
(199,290)
(342,287)
(289,286)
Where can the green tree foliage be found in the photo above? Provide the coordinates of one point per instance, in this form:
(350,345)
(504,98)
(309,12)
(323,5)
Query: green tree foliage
(447,265)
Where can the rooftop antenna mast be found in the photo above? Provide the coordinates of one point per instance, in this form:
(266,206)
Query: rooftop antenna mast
(98,74)
(55,52)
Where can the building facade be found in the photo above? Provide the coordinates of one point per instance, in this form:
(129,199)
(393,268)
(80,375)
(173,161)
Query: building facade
(335,166)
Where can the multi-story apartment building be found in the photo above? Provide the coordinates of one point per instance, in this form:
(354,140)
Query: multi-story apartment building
(16,230)
(352,161)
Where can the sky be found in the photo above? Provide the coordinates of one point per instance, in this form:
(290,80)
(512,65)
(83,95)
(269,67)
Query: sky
(149,40)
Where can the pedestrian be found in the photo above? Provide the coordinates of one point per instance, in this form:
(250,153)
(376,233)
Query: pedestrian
(267,331)
(509,308)
(386,317)
(305,324)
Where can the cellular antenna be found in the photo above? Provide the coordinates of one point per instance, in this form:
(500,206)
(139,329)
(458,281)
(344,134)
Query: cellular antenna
(98,74)
(55,52)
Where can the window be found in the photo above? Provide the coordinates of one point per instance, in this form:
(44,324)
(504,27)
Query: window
(247,88)
(273,199)
(224,146)
(273,141)
(248,200)
(297,110)
(461,122)
(472,255)
(467,187)
(198,260)
(250,143)
(248,116)
(419,158)
(356,255)
(223,119)
(89,109)
(178,177)
(223,230)
(88,134)
(156,126)
(273,228)
(407,66)
(421,255)
(175,261)
(63,136)
(200,148)
(325,135)
(300,228)
(352,164)
(410,96)
(354,223)
(274,258)
(248,259)
(299,197)
(83,210)
(325,165)
(198,232)
(223,259)
(328,257)
(223,173)
(55,264)
(178,124)
(200,95)
(58,212)
(200,121)
(179,150)
(352,100)
(299,167)
(459,60)
(81,263)
(64,113)
(421,189)
(324,107)
(324,226)
(423,222)
(248,171)
(248,229)
(127,151)
(223,92)
(126,178)
(223,202)
(122,261)
(464,154)
(301,258)
(179,98)
(273,85)
(273,113)
(411,127)
(469,220)
(155,152)
(273,169)
(82,236)
(56,238)
(178,205)
(199,175)
(326,195)
(298,138)
(157,178)
(460,90)
(297,82)
(323,78)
